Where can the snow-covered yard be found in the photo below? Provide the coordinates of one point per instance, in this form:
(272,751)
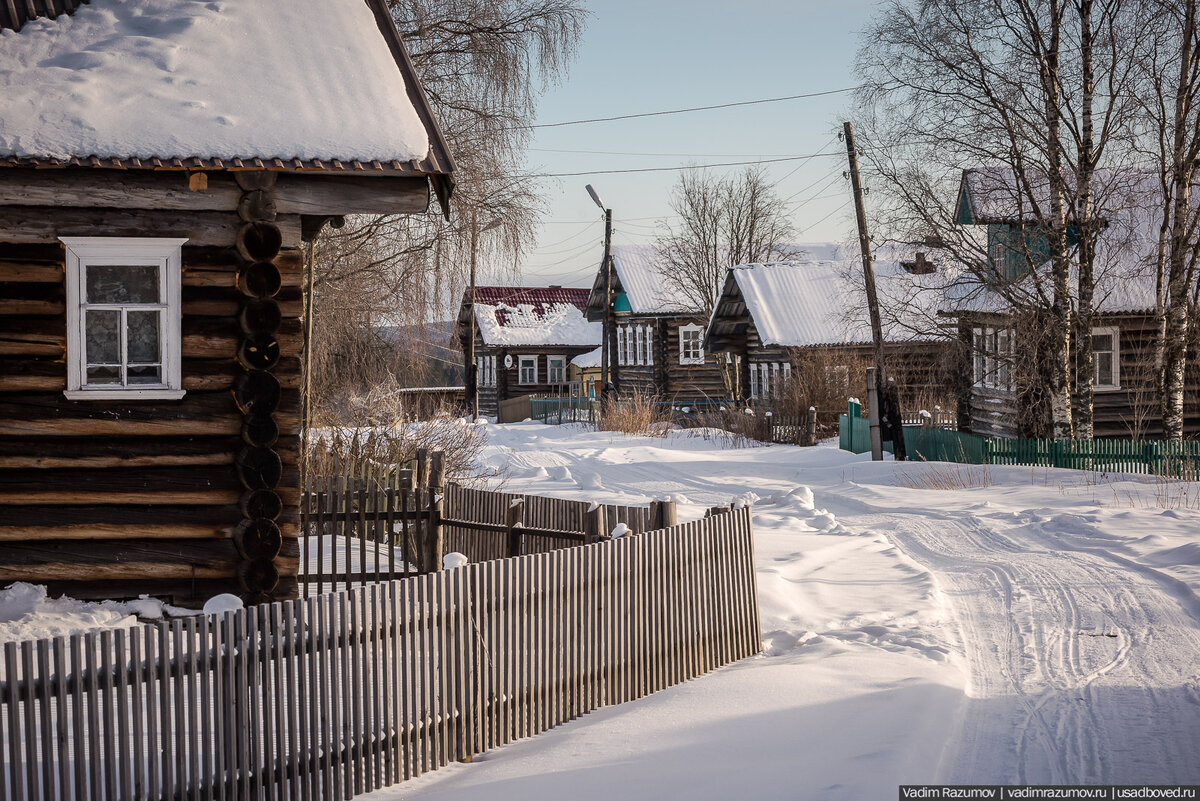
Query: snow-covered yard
(921,623)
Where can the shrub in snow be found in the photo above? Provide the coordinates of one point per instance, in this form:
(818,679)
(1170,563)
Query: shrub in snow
(220,604)
(454,559)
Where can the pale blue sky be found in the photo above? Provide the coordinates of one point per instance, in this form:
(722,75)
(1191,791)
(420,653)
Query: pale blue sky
(662,54)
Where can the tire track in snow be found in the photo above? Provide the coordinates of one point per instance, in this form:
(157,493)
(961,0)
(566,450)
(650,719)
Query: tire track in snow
(1082,669)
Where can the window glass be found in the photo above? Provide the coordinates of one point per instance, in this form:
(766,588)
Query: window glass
(120,284)
(103,336)
(555,370)
(142,336)
(1104,357)
(528,370)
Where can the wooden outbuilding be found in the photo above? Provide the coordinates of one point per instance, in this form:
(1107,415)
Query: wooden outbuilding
(159,179)
(780,321)
(525,339)
(657,346)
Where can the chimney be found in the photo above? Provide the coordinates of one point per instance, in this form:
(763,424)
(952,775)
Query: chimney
(920,265)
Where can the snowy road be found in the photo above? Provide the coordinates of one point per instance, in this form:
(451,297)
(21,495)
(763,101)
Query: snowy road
(921,624)
(1082,663)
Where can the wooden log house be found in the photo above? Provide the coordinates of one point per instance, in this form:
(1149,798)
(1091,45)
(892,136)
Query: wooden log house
(525,339)
(156,195)
(657,346)
(780,318)
(1000,393)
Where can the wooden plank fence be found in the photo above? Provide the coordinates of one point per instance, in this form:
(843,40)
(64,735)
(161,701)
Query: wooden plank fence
(358,530)
(333,696)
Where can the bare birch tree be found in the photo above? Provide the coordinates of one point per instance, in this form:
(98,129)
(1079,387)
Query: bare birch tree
(722,222)
(1170,92)
(1008,85)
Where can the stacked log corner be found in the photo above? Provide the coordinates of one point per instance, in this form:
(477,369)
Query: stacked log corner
(114,499)
(257,391)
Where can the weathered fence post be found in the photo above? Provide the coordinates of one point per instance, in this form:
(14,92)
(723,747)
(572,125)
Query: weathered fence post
(595,523)
(516,514)
(434,537)
(663,514)
(408,520)
(812,425)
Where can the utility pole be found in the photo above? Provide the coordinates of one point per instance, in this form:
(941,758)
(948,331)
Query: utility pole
(877,379)
(472,369)
(608,332)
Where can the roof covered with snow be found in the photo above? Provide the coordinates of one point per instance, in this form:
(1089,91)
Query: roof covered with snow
(534,316)
(227,79)
(640,273)
(807,302)
(588,360)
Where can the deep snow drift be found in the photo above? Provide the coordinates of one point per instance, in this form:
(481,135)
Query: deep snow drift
(921,623)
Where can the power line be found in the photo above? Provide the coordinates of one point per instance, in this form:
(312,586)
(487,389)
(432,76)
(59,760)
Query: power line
(694,108)
(682,155)
(681,167)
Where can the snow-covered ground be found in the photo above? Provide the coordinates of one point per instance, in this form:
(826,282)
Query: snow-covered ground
(921,623)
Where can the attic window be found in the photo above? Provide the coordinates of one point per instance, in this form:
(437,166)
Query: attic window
(123,318)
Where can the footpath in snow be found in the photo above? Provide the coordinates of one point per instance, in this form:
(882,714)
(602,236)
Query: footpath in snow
(921,623)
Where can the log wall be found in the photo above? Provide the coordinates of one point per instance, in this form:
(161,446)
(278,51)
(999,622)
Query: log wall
(667,378)
(113,498)
(1130,412)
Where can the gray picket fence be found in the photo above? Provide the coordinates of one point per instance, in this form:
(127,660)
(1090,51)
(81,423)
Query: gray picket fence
(337,695)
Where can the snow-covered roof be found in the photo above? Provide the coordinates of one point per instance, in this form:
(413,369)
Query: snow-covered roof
(640,271)
(807,302)
(143,79)
(1126,248)
(588,360)
(534,316)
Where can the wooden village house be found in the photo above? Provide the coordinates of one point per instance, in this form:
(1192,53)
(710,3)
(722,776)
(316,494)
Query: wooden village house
(525,339)
(999,396)
(656,344)
(780,321)
(159,179)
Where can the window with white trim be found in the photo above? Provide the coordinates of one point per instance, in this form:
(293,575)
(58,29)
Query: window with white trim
(650,344)
(622,344)
(123,318)
(556,369)
(640,341)
(485,374)
(1106,358)
(691,344)
(527,369)
(992,357)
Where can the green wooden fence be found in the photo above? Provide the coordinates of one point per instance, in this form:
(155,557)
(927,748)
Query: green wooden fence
(1153,457)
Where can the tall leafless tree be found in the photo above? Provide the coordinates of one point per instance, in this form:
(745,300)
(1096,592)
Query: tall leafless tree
(483,64)
(1170,93)
(723,221)
(1009,85)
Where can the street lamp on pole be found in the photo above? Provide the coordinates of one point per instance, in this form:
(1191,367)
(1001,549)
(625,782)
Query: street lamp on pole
(472,370)
(607,345)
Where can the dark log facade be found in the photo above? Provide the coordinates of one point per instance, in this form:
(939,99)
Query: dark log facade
(669,378)
(1001,409)
(114,498)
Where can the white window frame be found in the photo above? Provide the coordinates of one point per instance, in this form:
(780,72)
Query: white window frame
(1115,333)
(640,345)
(684,358)
(650,345)
(521,362)
(753,379)
(82,251)
(621,343)
(562,365)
